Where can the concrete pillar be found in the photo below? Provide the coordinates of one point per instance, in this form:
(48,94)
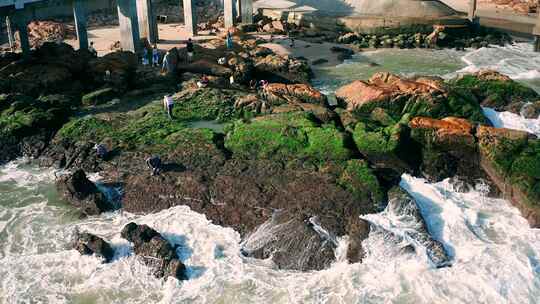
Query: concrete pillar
(472,11)
(246,11)
(536,33)
(79,15)
(129,25)
(190,17)
(147,21)
(20,24)
(228,10)
(11,38)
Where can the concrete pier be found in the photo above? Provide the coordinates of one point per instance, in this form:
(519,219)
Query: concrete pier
(129,25)
(246,11)
(20,24)
(536,33)
(190,17)
(11,38)
(79,15)
(228,10)
(147,21)
(471,14)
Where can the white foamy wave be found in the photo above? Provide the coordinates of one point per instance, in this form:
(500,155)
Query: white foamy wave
(510,120)
(21,173)
(518,61)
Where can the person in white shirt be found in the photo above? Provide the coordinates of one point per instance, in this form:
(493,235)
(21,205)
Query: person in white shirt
(168,104)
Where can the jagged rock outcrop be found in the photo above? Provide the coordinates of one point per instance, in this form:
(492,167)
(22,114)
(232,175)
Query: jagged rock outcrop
(512,161)
(405,208)
(83,194)
(155,251)
(88,244)
(279,93)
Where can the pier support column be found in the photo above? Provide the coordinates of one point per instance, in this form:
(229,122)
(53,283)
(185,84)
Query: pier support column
(79,15)
(129,25)
(228,9)
(190,17)
(246,11)
(11,38)
(471,15)
(20,24)
(147,21)
(536,33)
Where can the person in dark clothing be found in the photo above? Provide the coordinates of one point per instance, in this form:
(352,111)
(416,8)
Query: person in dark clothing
(154,164)
(190,49)
(101,151)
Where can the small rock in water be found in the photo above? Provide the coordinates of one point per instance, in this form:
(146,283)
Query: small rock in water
(155,251)
(89,244)
(83,194)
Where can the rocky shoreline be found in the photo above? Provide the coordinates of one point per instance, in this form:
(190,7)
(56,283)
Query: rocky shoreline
(291,173)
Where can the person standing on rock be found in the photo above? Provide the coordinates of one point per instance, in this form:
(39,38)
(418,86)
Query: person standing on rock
(154,164)
(155,56)
(229,41)
(168,103)
(101,151)
(145,57)
(92,50)
(190,49)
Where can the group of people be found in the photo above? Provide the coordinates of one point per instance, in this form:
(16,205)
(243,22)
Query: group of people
(155,56)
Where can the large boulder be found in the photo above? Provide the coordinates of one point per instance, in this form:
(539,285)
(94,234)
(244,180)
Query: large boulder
(83,194)
(278,93)
(121,67)
(89,244)
(52,68)
(497,91)
(275,68)
(419,96)
(448,147)
(155,251)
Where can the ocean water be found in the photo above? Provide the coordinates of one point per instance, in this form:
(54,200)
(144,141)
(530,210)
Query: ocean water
(495,255)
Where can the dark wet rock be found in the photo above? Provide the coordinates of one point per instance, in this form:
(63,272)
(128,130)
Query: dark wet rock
(530,110)
(244,195)
(319,61)
(155,251)
(292,243)
(404,207)
(89,244)
(275,68)
(27,124)
(83,194)
(343,53)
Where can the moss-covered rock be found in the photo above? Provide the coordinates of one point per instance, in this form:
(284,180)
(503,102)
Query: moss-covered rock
(495,90)
(360,180)
(287,137)
(421,96)
(512,160)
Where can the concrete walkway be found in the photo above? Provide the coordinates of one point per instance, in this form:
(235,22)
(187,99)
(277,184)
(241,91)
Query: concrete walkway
(497,16)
